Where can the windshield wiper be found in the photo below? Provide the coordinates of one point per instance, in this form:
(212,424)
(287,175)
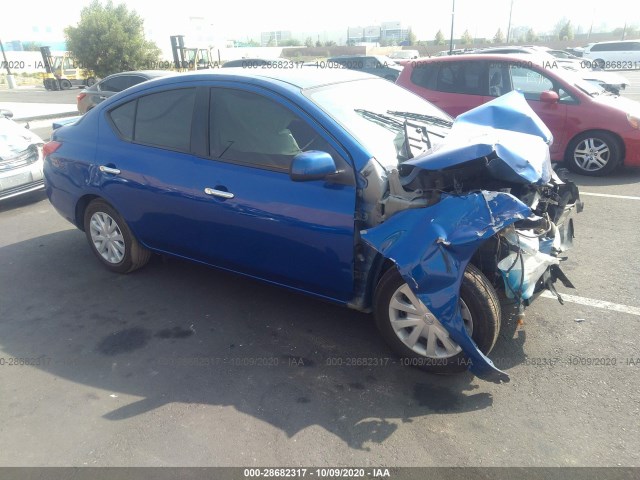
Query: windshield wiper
(387,121)
(431,119)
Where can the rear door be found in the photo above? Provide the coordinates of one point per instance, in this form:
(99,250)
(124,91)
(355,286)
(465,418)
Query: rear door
(204,175)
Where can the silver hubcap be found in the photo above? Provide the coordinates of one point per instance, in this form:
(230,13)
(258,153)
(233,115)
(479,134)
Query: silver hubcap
(419,329)
(107,237)
(592,154)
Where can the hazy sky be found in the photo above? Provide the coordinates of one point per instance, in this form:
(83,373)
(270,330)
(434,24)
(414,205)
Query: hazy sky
(247,18)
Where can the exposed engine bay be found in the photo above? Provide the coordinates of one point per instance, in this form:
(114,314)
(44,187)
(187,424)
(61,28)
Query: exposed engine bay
(486,194)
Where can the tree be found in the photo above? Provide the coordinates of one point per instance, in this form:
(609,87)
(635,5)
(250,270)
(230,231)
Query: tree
(308,42)
(440,40)
(110,39)
(566,32)
(290,43)
(411,38)
(531,36)
(467,39)
(329,43)
(498,37)
(252,43)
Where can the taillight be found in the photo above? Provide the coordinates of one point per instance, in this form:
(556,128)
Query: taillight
(80,96)
(50,147)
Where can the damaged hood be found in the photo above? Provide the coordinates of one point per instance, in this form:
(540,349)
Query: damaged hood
(505,131)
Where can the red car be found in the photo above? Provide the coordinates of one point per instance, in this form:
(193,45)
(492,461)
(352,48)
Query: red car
(594,131)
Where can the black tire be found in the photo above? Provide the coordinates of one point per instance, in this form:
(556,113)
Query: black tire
(599,63)
(135,255)
(90,81)
(579,162)
(478,295)
(65,84)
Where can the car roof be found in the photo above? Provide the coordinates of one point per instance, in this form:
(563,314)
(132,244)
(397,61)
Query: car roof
(524,57)
(300,78)
(143,73)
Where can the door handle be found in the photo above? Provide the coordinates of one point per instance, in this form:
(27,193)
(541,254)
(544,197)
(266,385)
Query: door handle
(112,171)
(102,97)
(218,193)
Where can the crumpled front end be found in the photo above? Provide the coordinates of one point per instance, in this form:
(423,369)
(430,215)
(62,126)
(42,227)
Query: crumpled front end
(487,195)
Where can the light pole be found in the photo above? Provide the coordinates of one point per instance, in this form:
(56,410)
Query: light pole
(509,27)
(453,14)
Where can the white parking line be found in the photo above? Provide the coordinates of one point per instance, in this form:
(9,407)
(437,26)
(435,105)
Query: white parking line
(625,197)
(590,302)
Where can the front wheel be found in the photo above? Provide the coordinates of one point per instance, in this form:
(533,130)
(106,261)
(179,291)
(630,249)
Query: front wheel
(111,239)
(90,81)
(593,153)
(417,336)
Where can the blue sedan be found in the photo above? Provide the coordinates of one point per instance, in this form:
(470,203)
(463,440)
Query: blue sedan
(333,183)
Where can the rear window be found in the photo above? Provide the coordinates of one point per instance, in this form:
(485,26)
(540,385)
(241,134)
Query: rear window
(160,119)
(615,47)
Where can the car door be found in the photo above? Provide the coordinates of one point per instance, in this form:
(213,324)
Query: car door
(531,81)
(221,194)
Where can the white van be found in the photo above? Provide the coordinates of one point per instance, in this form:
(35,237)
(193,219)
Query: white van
(623,55)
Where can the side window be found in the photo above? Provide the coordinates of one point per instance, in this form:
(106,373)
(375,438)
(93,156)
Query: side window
(529,82)
(115,84)
(250,129)
(164,119)
(498,79)
(472,78)
(123,118)
(448,77)
(461,77)
(131,80)
(371,62)
(425,74)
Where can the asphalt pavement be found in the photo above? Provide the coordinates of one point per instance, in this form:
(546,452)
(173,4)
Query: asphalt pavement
(183,365)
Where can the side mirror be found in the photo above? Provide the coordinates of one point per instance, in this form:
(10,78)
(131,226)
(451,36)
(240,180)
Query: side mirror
(549,97)
(6,113)
(311,165)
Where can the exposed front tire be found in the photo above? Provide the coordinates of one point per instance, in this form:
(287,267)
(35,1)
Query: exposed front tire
(111,239)
(419,338)
(594,153)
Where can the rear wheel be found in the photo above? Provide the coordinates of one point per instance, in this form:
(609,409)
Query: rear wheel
(90,81)
(65,84)
(417,336)
(594,153)
(111,239)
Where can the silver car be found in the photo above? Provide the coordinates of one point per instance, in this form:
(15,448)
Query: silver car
(93,95)
(20,158)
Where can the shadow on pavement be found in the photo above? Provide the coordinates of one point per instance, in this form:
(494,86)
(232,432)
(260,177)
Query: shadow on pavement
(180,332)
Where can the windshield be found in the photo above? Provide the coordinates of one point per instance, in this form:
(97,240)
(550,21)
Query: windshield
(374,111)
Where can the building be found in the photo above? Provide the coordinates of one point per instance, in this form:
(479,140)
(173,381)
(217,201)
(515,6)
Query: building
(392,32)
(274,38)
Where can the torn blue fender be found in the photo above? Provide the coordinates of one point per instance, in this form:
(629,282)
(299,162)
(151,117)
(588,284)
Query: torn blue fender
(432,246)
(506,131)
